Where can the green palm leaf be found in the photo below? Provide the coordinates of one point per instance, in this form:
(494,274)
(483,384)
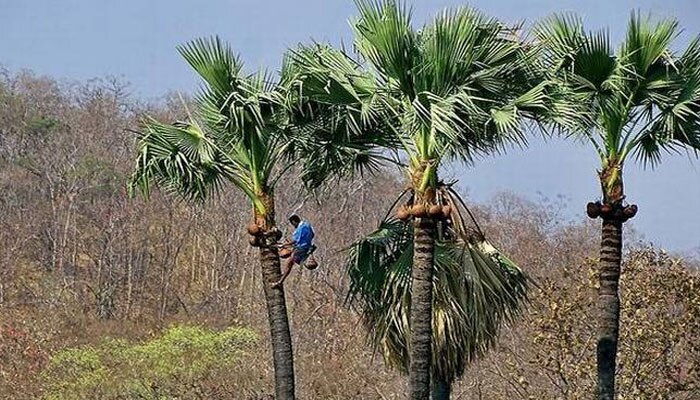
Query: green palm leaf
(476,290)
(215,63)
(385,38)
(181,159)
(642,100)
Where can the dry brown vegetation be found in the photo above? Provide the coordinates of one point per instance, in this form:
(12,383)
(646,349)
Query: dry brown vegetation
(80,261)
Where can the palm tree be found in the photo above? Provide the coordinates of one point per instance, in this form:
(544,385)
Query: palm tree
(454,89)
(643,100)
(248,131)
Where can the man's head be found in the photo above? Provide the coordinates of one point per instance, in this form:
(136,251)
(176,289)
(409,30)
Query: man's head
(294,220)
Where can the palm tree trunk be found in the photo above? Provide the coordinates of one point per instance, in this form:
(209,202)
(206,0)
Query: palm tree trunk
(442,388)
(421,308)
(279,325)
(609,306)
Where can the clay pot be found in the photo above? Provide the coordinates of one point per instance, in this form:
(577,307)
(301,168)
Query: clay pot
(403,213)
(593,210)
(275,234)
(254,229)
(630,211)
(419,211)
(435,211)
(311,264)
(446,211)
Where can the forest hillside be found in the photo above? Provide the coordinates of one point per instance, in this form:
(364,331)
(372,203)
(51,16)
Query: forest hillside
(106,296)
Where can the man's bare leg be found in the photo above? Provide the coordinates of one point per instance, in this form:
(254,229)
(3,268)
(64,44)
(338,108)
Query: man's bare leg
(287,271)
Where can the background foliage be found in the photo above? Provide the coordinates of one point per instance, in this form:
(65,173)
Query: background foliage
(80,262)
(171,365)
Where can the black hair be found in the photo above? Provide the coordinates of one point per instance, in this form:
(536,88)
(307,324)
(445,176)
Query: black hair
(294,218)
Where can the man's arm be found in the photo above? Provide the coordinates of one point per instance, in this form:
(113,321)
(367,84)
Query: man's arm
(296,235)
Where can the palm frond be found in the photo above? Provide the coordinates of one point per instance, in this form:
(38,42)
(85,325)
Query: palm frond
(641,100)
(231,135)
(674,127)
(457,88)
(477,85)
(341,125)
(330,146)
(561,37)
(215,63)
(648,44)
(384,36)
(594,65)
(671,111)
(181,159)
(459,47)
(476,290)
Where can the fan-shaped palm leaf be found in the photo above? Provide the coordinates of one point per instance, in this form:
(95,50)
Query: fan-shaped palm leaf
(476,290)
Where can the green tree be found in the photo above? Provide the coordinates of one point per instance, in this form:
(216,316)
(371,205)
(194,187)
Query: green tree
(248,131)
(642,100)
(454,89)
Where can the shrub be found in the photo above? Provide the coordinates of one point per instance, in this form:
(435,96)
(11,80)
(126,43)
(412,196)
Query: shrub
(166,366)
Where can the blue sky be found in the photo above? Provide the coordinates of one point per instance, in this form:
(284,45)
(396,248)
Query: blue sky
(135,40)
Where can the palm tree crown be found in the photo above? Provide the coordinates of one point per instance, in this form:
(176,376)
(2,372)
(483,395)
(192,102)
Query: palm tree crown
(452,90)
(641,100)
(246,129)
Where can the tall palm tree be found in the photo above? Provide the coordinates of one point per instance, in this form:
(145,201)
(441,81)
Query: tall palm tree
(642,100)
(450,91)
(248,131)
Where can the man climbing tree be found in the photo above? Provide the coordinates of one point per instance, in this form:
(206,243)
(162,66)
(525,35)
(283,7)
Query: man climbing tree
(240,129)
(301,247)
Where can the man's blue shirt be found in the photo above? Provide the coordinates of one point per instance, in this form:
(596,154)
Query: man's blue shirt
(303,235)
